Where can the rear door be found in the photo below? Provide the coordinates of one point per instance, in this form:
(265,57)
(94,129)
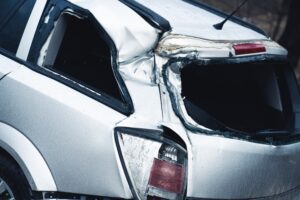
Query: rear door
(68,101)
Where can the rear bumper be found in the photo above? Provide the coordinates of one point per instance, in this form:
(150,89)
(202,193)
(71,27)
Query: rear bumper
(290,195)
(222,168)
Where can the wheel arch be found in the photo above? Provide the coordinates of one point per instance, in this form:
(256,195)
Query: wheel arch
(14,145)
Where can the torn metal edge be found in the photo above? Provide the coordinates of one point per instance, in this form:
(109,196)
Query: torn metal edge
(215,61)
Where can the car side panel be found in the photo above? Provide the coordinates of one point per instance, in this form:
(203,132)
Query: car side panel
(7,66)
(73,132)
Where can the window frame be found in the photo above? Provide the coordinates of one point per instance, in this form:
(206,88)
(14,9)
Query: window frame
(42,33)
(27,35)
(264,139)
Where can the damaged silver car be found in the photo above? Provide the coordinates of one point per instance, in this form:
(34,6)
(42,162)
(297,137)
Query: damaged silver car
(145,100)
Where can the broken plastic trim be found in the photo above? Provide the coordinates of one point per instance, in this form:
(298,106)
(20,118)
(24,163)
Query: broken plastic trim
(150,16)
(52,12)
(224,15)
(228,134)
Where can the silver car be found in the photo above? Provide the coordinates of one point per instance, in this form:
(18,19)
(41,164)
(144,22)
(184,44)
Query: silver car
(145,100)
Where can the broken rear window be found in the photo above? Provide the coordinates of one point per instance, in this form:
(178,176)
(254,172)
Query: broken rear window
(243,97)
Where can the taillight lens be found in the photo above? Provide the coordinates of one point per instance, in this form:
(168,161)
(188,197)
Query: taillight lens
(156,166)
(167,176)
(248,48)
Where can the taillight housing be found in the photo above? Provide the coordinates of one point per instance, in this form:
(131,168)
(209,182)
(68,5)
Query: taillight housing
(249,48)
(156,167)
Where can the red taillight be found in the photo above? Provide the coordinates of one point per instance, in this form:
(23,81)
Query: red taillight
(167,176)
(157,168)
(249,48)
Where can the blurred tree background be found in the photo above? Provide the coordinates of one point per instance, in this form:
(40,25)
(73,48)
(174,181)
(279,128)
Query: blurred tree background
(280,19)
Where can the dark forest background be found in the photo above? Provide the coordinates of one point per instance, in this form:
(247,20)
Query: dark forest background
(280,19)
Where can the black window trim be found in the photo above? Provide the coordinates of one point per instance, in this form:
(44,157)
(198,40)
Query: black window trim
(154,19)
(12,12)
(42,33)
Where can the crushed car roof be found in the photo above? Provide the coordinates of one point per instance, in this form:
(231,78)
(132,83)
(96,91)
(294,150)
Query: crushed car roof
(194,19)
(134,36)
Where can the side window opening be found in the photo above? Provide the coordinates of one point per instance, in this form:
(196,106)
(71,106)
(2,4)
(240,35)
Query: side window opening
(14,15)
(77,50)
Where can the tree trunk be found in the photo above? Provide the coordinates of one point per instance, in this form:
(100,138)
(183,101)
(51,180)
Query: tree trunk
(291,36)
(280,17)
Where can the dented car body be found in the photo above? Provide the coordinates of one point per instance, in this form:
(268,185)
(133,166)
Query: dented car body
(145,100)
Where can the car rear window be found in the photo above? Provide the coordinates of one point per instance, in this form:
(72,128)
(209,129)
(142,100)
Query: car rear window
(244,97)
